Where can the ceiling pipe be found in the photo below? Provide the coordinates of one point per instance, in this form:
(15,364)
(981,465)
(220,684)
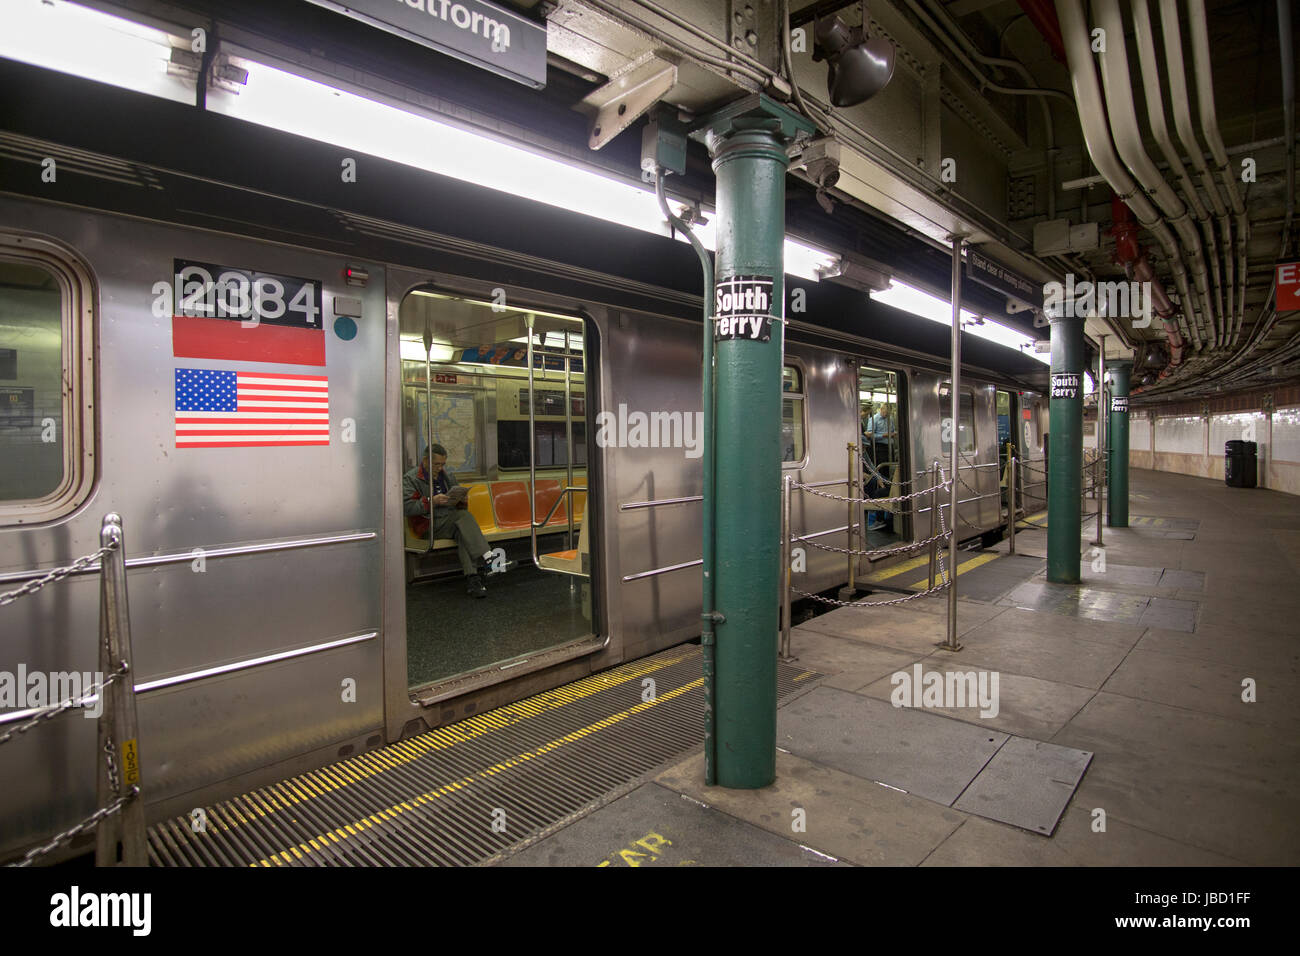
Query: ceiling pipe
(1096,134)
(1287,54)
(1146,49)
(1210,126)
(1180,103)
(1118,85)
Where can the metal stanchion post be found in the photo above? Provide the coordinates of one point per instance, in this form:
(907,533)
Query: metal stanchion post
(786,487)
(1011,502)
(934,507)
(118,736)
(851,588)
(955,411)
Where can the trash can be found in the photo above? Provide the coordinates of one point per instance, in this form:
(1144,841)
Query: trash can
(1239,463)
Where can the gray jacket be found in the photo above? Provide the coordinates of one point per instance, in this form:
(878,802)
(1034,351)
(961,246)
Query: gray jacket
(415,489)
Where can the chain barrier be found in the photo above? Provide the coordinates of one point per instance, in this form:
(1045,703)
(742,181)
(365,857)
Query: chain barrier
(111,583)
(880,552)
(943,568)
(58,574)
(91,821)
(866,501)
(48,713)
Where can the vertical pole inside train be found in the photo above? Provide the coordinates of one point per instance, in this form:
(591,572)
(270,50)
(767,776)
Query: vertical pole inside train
(747,143)
(1065,455)
(1117,503)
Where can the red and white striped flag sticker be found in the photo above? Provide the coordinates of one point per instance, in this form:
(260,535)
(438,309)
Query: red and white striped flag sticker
(220,409)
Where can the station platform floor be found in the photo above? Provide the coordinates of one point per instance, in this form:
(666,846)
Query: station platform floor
(1146,717)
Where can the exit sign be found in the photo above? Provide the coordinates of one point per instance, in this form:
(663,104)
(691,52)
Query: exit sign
(1288,286)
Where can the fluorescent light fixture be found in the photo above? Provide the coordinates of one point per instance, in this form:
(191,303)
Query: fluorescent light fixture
(97,46)
(412,350)
(927,306)
(295,104)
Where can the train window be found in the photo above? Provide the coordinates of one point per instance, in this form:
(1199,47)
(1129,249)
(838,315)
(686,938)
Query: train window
(965,421)
(792,409)
(44,383)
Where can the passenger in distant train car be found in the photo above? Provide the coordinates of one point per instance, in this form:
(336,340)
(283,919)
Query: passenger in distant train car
(877,435)
(431,484)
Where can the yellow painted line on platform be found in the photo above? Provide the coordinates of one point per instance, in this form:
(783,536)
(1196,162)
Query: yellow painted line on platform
(896,569)
(392,813)
(444,738)
(962,568)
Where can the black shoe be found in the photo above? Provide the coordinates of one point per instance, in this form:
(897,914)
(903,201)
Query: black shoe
(474,586)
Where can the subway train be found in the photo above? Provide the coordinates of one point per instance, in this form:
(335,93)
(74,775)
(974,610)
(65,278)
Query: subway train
(248,395)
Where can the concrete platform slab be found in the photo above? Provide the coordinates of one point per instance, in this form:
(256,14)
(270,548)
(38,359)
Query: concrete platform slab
(1076,842)
(1208,686)
(1229,644)
(1027,784)
(924,754)
(1208,781)
(846,663)
(845,816)
(655,826)
(1027,706)
(1035,648)
(890,627)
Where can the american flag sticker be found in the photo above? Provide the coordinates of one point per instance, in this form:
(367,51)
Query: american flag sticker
(219,409)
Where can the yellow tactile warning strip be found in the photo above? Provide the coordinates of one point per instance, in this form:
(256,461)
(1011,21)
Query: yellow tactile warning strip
(459,794)
(970,564)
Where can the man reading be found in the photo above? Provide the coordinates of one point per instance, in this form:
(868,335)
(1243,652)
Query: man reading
(434,500)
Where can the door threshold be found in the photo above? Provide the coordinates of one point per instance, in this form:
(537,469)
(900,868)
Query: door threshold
(439,691)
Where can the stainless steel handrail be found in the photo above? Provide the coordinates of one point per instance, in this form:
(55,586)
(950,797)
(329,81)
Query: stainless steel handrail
(672,567)
(630,505)
(184,557)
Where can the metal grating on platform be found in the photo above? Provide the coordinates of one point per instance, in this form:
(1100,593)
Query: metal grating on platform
(462,793)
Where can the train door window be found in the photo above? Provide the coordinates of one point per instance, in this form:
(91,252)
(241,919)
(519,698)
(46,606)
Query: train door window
(1005,436)
(467,398)
(883,452)
(792,415)
(965,421)
(45,384)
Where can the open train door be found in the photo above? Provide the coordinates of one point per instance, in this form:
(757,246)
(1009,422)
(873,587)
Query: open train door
(494,452)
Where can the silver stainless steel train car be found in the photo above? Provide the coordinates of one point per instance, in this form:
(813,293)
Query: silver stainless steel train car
(250,408)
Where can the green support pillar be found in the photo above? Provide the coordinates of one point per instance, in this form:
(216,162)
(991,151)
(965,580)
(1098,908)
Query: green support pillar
(1065,458)
(748,144)
(1117,447)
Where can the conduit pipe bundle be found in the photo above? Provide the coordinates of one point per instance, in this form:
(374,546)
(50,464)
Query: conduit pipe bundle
(1092,118)
(1128,139)
(1210,126)
(1146,49)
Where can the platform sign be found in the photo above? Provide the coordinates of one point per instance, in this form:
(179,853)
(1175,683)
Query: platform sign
(742,308)
(1065,385)
(1119,403)
(1288,286)
(475,31)
(995,276)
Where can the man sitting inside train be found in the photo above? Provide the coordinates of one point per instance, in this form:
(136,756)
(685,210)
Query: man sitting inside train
(432,485)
